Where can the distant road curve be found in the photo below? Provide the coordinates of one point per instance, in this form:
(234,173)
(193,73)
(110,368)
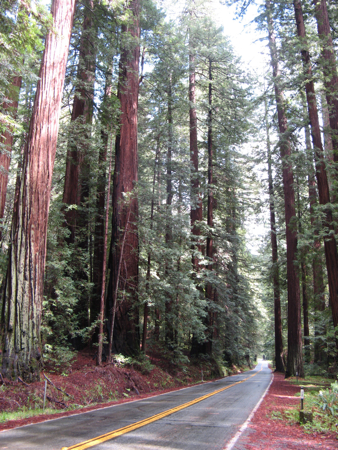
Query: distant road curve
(201,417)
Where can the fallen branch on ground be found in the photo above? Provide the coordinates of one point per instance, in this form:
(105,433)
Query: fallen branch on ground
(23,382)
(51,382)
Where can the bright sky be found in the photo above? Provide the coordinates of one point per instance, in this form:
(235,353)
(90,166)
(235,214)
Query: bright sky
(243,36)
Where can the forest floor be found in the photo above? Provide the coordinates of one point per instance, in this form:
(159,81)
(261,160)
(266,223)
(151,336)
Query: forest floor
(275,423)
(81,385)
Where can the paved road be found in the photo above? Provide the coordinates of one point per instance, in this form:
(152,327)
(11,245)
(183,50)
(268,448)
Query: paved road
(209,424)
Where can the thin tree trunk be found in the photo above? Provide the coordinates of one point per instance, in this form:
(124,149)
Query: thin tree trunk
(196,203)
(23,294)
(127,339)
(104,267)
(113,312)
(295,358)
(146,307)
(6,143)
(329,65)
(328,146)
(169,320)
(306,329)
(99,246)
(322,181)
(275,268)
(210,244)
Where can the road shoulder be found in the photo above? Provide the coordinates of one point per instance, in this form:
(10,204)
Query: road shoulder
(265,432)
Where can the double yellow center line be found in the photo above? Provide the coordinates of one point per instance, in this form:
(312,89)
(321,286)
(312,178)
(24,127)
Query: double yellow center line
(113,434)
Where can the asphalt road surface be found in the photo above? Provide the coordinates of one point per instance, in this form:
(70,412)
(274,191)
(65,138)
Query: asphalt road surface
(207,425)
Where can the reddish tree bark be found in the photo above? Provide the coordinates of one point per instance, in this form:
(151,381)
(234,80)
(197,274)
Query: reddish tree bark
(329,65)
(330,245)
(210,244)
(275,268)
(169,322)
(6,143)
(295,358)
(23,293)
(317,263)
(196,208)
(126,331)
(82,112)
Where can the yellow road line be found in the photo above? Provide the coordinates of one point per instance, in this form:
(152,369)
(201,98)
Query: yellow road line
(113,434)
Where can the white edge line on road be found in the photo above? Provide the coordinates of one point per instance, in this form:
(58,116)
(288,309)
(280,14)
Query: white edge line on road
(233,441)
(124,403)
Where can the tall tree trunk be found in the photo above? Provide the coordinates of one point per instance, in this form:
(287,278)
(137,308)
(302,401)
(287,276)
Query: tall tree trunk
(23,293)
(275,268)
(317,263)
(6,143)
(295,358)
(196,208)
(169,322)
(210,244)
(329,65)
(126,331)
(322,181)
(82,113)
(328,146)
(146,307)
(99,236)
(104,266)
(306,328)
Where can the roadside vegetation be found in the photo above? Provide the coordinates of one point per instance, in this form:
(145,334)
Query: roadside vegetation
(320,406)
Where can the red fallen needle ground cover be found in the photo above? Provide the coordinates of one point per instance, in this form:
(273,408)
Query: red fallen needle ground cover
(266,433)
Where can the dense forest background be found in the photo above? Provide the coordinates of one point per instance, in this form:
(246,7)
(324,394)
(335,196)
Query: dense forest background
(137,153)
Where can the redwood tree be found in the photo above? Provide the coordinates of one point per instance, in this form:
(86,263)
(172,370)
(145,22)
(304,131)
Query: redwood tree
(275,268)
(330,244)
(196,206)
(82,113)
(124,269)
(295,358)
(6,142)
(330,79)
(23,291)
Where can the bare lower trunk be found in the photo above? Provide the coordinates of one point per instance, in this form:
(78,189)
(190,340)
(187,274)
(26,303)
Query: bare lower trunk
(23,294)
(317,262)
(6,143)
(126,332)
(210,244)
(104,267)
(275,268)
(196,208)
(146,307)
(295,358)
(169,319)
(99,237)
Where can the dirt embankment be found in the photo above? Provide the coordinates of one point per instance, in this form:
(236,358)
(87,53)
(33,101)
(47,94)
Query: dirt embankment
(83,385)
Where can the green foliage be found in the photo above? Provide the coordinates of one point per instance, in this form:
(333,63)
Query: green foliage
(58,356)
(327,400)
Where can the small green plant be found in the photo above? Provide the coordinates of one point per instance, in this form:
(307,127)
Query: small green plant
(122,360)
(327,400)
(58,355)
